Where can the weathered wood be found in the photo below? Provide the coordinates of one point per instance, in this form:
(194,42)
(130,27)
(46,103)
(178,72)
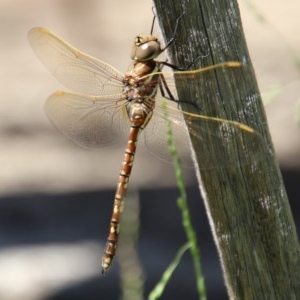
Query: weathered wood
(246,202)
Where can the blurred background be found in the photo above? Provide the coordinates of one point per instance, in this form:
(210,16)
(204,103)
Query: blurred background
(56,198)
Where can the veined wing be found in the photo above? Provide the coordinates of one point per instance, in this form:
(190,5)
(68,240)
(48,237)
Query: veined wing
(77,70)
(90,121)
(234,139)
(168,76)
(238,143)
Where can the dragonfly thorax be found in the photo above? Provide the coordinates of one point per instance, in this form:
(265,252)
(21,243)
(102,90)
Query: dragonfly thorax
(145,47)
(138,81)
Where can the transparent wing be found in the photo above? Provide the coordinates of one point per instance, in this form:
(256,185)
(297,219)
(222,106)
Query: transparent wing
(237,142)
(168,76)
(233,138)
(76,70)
(155,134)
(90,121)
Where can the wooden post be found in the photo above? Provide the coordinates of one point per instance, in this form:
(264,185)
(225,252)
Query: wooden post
(246,201)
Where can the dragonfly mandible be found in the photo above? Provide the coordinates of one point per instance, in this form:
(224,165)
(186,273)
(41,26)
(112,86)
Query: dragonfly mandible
(105,98)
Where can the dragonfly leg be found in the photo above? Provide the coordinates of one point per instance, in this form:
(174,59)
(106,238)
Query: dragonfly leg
(171,40)
(167,94)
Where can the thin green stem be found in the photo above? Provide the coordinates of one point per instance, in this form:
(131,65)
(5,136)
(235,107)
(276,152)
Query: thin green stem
(161,285)
(183,206)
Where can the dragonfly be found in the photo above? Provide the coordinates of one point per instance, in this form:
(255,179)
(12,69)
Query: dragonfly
(103,99)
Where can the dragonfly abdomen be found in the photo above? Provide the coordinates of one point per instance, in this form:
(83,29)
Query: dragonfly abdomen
(139,112)
(112,240)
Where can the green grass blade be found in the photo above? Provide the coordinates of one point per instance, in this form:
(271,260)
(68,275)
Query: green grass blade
(297,113)
(161,285)
(183,206)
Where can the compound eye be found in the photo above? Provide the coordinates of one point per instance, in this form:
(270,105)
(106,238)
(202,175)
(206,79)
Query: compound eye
(145,48)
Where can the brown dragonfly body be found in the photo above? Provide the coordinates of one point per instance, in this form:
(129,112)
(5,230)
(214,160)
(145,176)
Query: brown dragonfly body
(139,111)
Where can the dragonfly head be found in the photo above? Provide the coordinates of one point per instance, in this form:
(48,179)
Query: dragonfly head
(145,47)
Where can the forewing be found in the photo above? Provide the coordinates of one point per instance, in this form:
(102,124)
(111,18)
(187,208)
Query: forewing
(75,69)
(168,76)
(91,122)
